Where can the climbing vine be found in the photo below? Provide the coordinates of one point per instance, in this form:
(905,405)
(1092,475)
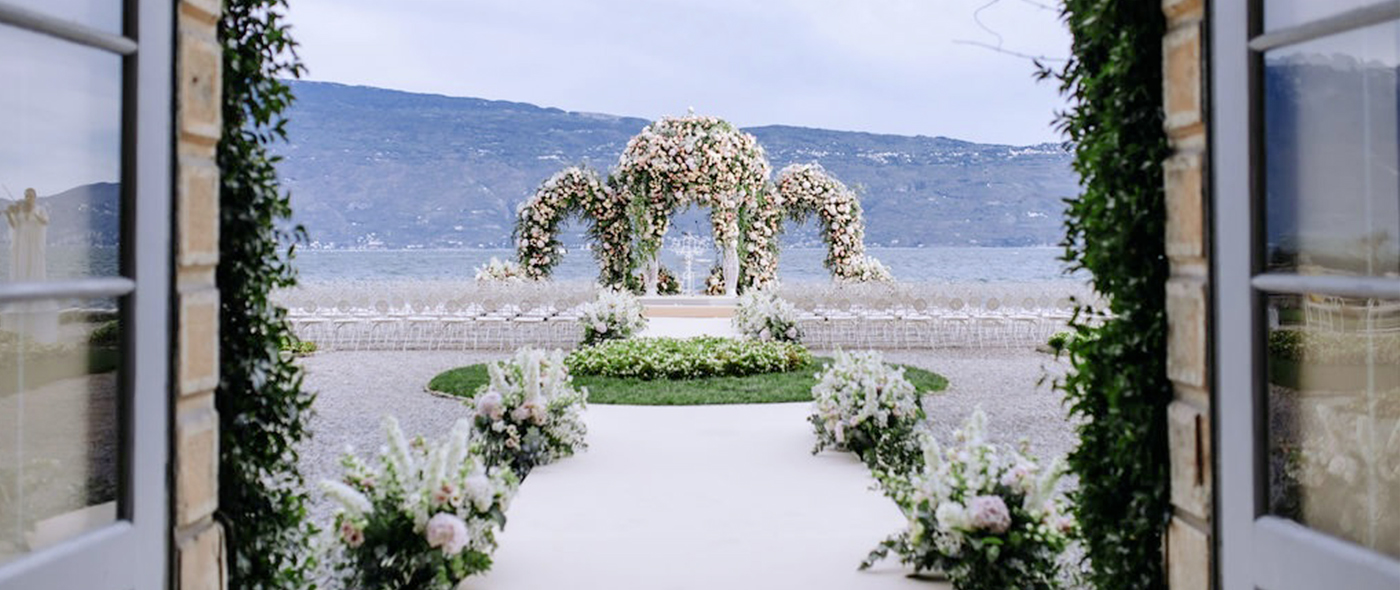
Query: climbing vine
(263,410)
(1118,384)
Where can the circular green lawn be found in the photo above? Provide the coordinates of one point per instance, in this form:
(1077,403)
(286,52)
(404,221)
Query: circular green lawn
(790,386)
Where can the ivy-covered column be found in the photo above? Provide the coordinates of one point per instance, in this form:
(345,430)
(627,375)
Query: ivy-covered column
(1118,384)
(263,411)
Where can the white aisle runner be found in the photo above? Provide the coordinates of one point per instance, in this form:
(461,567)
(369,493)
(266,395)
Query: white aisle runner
(698,497)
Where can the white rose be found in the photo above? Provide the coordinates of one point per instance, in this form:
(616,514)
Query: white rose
(448,532)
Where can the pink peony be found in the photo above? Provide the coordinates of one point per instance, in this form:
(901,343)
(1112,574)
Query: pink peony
(989,513)
(489,405)
(448,532)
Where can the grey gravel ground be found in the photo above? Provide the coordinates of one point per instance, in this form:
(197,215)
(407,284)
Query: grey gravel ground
(357,388)
(1007,384)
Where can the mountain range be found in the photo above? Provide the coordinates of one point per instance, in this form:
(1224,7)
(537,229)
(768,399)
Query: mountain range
(370,167)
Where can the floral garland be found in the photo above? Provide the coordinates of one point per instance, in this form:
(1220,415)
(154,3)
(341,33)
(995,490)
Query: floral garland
(763,221)
(808,189)
(574,190)
(701,160)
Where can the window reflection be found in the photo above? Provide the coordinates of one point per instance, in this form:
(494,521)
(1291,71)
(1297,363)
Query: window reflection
(103,15)
(59,424)
(1330,131)
(1334,416)
(1280,14)
(60,158)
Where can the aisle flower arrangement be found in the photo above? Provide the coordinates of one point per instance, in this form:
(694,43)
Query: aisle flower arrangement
(862,405)
(424,517)
(529,414)
(987,518)
(763,315)
(502,271)
(614,315)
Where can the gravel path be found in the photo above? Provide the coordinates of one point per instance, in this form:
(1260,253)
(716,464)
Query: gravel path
(356,388)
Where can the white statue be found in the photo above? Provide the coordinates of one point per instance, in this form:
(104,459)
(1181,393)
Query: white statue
(651,274)
(731,269)
(29,228)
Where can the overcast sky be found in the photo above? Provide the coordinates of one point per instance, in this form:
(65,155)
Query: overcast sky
(887,66)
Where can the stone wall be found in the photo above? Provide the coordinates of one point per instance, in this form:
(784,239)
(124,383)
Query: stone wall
(198,542)
(1188,552)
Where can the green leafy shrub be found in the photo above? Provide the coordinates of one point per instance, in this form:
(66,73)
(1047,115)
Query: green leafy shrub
(108,334)
(1118,383)
(263,411)
(690,358)
(297,346)
(1334,348)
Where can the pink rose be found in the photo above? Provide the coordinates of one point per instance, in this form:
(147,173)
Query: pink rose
(989,513)
(351,534)
(448,532)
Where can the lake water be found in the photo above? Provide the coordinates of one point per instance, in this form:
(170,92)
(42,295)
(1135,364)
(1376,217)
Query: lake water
(938,265)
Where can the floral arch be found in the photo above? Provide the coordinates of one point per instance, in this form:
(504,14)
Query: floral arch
(677,162)
(574,190)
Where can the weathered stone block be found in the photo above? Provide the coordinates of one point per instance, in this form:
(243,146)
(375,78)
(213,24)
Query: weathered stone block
(1185,231)
(198,207)
(1182,78)
(1186,331)
(1188,433)
(199,341)
(201,85)
(196,460)
(200,559)
(1188,557)
(1182,11)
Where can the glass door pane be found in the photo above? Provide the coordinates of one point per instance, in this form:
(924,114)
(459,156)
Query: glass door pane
(60,381)
(1333,378)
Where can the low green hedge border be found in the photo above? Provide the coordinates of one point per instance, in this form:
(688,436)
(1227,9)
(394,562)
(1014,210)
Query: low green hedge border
(688,358)
(787,386)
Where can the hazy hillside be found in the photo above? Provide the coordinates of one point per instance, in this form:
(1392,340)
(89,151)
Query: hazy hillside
(369,166)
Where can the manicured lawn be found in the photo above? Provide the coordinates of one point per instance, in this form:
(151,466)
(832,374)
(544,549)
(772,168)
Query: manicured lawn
(792,386)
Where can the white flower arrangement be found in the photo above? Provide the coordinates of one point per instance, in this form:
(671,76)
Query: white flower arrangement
(503,271)
(866,269)
(529,414)
(615,315)
(865,406)
(424,517)
(763,315)
(988,518)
